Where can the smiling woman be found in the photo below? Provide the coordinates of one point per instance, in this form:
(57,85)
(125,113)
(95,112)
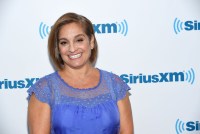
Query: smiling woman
(74,45)
(78,98)
(59,36)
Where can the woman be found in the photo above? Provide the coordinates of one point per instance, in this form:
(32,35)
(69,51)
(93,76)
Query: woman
(78,98)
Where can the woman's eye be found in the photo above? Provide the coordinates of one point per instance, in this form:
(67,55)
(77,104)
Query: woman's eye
(63,42)
(79,40)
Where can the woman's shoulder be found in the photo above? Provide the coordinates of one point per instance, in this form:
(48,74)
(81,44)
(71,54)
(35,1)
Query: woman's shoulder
(110,74)
(41,88)
(117,86)
(45,78)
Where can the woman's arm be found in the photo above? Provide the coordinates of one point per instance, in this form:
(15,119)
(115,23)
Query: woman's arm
(126,120)
(38,116)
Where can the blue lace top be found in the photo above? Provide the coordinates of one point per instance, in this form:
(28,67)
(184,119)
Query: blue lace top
(82,111)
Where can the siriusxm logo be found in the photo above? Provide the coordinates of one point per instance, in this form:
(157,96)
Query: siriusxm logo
(188,76)
(190,126)
(121,28)
(15,84)
(187,25)
(105,28)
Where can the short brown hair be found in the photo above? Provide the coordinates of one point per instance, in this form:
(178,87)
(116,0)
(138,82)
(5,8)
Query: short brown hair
(53,37)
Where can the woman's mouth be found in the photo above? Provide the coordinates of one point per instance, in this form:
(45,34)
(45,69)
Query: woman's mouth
(75,56)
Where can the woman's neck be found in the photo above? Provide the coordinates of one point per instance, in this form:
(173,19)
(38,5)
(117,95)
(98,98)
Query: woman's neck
(78,72)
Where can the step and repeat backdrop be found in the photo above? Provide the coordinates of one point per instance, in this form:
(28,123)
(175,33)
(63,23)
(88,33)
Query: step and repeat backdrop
(154,46)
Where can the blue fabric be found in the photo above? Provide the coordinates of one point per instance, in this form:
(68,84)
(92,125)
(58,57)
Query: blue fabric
(82,111)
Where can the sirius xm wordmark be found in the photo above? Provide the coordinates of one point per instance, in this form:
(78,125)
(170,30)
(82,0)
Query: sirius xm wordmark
(14,84)
(161,77)
(111,28)
(183,76)
(105,28)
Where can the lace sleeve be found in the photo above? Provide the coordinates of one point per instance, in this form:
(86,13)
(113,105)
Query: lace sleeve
(120,87)
(41,91)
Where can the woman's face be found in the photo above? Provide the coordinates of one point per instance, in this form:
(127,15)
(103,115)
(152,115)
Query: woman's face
(74,45)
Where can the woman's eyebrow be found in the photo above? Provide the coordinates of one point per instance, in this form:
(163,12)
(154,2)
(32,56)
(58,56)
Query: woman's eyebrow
(79,35)
(63,39)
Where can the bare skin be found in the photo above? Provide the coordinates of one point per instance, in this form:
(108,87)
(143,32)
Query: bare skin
(38,116)
(126,120)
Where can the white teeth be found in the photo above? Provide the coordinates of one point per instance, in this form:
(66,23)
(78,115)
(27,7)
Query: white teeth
(75,56)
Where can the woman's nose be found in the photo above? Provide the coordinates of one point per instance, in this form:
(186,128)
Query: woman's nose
(72,47)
